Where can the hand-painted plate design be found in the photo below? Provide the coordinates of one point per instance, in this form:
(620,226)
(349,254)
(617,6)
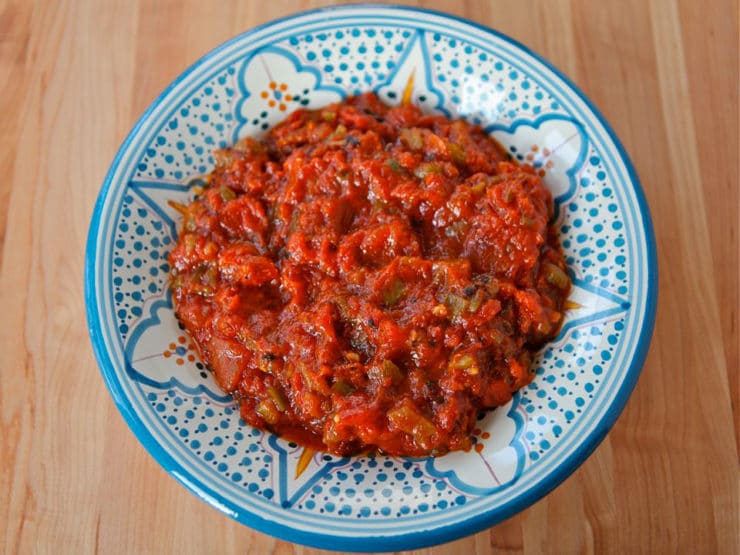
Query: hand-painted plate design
(448,66)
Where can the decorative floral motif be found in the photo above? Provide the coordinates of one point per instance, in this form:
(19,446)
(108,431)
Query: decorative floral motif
(496,459)
(273,81)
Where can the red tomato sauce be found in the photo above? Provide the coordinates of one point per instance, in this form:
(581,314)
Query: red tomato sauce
(369,278)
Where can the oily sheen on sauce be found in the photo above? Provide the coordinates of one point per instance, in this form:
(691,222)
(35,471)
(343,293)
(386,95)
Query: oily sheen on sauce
(369,278)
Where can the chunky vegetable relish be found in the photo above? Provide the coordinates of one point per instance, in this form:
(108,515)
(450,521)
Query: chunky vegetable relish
(369,278)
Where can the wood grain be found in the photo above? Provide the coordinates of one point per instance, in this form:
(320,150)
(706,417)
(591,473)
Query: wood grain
(74,76)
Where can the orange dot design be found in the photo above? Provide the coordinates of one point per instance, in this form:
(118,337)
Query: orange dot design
(275,94)
(172,350)
(533,156)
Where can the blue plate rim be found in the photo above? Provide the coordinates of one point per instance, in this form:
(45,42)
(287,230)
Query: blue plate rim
(422,538)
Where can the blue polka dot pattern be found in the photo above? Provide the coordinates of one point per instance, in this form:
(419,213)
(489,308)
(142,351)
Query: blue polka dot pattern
(356,59)
(140,268)
(183,148)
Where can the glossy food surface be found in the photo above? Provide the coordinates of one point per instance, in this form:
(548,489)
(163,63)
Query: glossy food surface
(368,278)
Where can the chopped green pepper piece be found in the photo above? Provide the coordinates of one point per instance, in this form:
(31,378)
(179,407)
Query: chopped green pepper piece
(412,137)
(493,288)
(226,194)
(556,276)
(479,186)
(393,293)
(339,132)
(391,371)
(455,306)
(190,241)
(476,301)
(428,168)
(508,195)
(526,221)
(395,165)
(268,412)
(342,387)
(386,371)
(408,420)
(456,153)
(465,362)
(277,397)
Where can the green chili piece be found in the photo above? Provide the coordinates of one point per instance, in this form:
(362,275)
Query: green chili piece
(493,288)
(456,153)
(479,186)
(462,362)
(508,195)
(190,241)
(556,276)
(391,371)
(476,301)
(393,293)
(339,132)
(268,412)
(277,398)
(456,306)
(408,420)
(395,165)
(412,137)
(342,387)
(428,168)
(526,221)
(226,194)
(423,432)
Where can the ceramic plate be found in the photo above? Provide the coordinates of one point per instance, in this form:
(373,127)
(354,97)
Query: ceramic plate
(454,67)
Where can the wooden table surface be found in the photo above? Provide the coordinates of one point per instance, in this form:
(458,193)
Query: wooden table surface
(74,78)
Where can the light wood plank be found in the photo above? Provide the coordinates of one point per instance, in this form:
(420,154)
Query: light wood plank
(74,77)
